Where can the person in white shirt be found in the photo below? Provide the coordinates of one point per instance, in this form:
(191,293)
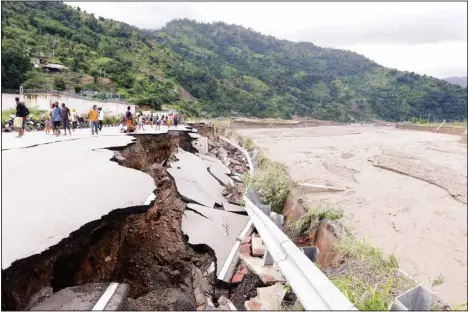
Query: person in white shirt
(123,126)
(140,122)
(100,118)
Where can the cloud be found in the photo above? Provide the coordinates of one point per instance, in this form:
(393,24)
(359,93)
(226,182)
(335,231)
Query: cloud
(372,27)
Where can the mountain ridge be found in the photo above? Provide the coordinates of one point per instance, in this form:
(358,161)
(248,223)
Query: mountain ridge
(461,81)
(215,69)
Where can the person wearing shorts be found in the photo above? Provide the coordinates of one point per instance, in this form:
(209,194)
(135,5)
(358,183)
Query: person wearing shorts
(21,112)
(57,113)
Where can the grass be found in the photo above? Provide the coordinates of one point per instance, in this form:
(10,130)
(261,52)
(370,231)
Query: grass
(310,220)
(367,278)
(112,120)
(438,281)
(460,307)
(34,113)
(272,184)
(247,143)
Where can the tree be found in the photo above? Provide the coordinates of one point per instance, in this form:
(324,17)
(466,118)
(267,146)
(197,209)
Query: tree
(14,67)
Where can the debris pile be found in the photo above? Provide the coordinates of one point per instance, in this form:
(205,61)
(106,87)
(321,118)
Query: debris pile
(229,155)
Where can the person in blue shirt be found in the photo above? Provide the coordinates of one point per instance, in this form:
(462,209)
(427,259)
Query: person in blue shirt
(57,115)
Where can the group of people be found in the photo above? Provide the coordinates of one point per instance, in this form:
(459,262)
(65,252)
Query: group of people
(151,120)
(60,116)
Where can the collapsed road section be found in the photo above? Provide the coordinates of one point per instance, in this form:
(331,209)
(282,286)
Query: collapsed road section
(158,256)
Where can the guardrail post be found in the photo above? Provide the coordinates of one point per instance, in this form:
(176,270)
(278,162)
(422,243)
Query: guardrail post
(267,259)
(311,253)
(266,209)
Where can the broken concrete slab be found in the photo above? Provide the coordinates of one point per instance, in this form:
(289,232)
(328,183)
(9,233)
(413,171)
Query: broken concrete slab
(83,297)
(268,298)
(225,304)
(190,189)
(268,274)
(77,202)
(213,159)
(193,180)
(200,144)
(218,229)
(237,178)
(232,208)
(258,249)
(218,173)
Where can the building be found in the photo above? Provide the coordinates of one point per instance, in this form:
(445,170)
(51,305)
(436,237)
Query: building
(44,64)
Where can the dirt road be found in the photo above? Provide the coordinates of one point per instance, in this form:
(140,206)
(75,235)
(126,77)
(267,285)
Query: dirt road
(405,191)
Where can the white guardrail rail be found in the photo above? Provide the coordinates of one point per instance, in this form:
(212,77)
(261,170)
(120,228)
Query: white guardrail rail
(313,288)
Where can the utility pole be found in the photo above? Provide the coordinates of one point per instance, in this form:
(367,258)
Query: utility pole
(428,116)
(420,119)
(53,49)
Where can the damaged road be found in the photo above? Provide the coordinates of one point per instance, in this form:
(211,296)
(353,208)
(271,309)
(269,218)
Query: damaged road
(154,249)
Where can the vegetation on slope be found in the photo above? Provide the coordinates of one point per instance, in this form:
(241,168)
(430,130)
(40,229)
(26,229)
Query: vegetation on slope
(213,69)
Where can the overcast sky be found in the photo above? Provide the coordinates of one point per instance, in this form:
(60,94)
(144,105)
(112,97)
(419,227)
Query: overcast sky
(427,38)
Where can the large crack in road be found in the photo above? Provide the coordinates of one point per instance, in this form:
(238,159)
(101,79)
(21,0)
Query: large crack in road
(143,246)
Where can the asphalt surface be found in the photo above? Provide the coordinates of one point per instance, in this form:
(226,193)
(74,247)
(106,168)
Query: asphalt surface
(51,186)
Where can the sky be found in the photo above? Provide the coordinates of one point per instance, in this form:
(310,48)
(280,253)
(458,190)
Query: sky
(427,38)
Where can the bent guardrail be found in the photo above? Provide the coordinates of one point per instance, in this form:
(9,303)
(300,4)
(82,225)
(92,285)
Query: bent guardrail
(313,289)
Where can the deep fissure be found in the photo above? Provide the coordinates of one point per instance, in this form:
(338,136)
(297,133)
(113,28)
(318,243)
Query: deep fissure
(142,246)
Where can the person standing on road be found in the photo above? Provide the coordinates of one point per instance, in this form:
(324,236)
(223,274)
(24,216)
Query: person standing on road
(66,119)
(57,113)
(93,117)
(74,119)
(51,118)
(158,122)
(21,113)
(128,118)
(101,118)
(140,122)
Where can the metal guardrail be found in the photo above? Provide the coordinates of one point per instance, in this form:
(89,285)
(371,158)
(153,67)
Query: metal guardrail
(313,289)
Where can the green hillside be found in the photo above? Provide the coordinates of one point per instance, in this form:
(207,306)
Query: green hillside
(213,69)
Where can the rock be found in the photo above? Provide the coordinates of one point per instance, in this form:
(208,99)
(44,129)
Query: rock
(225,304)
(237,278)
(268,274)
(246,239)
(268,298)
(258,249)
(245,249)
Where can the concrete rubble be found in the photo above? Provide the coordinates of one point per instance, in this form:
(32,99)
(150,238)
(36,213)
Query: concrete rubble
(83,297)
(268,298)
(216,228)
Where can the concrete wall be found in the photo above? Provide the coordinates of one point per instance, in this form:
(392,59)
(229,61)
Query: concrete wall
(43,101)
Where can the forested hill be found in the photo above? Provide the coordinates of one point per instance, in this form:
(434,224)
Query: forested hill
(215,69)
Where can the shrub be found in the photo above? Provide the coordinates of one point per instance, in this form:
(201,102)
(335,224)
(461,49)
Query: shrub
(272,184)
(312,217)
(367,278)
(111,120)
(247,143)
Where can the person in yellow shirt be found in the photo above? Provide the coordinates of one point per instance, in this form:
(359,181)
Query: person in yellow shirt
(93,117)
